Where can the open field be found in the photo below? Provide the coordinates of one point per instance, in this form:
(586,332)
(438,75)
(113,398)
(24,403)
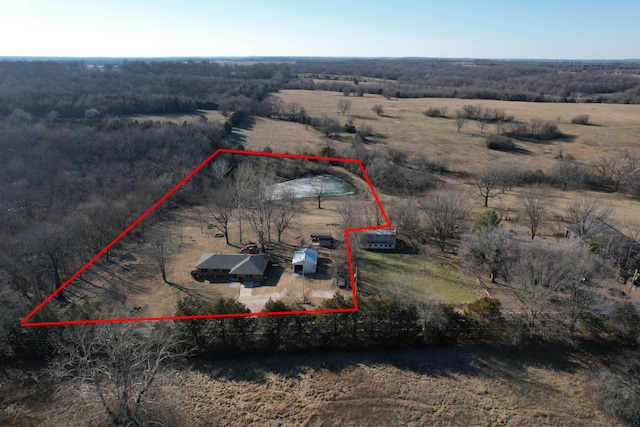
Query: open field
(614,128)
(210,115)
(409,387)
(454,386)
(422,278)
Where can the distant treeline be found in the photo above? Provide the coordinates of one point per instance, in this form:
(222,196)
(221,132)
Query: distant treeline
(78,89)
(542,81)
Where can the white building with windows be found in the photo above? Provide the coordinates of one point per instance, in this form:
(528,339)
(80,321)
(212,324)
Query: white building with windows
(381,238)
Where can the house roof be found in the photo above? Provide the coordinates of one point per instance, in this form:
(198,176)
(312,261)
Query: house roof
(594,228)
(305,257)
(379,235)
(249,264)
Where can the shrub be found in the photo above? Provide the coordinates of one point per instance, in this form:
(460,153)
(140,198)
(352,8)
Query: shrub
(581,119)
(499,142)
(625,324)
(486,219)
(435,112)
(484,318)
(442,325)
(615,389)
(378,109)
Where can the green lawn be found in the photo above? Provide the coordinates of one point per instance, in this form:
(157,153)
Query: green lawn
(405,274)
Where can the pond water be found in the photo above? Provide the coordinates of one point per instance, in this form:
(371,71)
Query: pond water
(307,187)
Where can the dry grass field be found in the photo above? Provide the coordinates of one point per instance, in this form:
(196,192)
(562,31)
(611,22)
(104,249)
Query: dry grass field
(613,129)
(210,115)
(458,386)
(422,387)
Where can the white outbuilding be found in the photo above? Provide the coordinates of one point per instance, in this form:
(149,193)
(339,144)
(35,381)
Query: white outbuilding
(305,261)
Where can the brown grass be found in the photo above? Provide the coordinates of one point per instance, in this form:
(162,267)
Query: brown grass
(179,119)
(461,386)
(420,387)
(615,128)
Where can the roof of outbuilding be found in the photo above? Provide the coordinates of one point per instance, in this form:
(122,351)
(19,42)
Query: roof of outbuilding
(305,256)
(322,235)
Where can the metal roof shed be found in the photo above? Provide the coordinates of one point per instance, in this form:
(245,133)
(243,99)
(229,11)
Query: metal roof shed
(305,261)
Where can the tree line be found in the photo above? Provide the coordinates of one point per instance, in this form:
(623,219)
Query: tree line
(551,81)
(75,89)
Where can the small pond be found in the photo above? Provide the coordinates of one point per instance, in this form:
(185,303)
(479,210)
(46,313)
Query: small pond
(306,187)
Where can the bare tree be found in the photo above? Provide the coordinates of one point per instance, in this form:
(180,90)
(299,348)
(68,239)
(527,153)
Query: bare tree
(582,210)
(489,249)
(548,282)
(406,218)
(566,171)
(344,106)
(460,117)
(284,212)
(162,252)
(242,185)
(220,168)
(445,212)
(320,189)
(604,168)
(509,175)
(489,184)
(110,370)
(293,111)
(364,131)
(626,169)
(373,214)
(615,388)
(221,209)
(535,204)
(328,125)
(261,203)
(349,211)
(276,107)
(484,117)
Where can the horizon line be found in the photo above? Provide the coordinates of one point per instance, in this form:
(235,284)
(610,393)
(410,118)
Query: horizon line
(308,57)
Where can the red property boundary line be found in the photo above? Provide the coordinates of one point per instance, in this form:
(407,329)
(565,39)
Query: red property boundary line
(25,321)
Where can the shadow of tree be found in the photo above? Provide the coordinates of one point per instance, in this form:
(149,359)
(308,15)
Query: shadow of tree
(509,366)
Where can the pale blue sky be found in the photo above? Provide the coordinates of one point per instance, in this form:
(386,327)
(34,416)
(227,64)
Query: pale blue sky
(540,29)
